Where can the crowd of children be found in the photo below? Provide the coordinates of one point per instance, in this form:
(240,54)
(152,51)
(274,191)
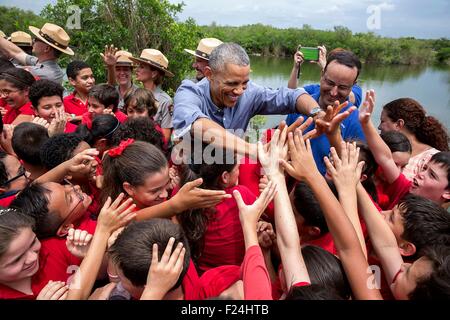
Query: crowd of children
(93,206)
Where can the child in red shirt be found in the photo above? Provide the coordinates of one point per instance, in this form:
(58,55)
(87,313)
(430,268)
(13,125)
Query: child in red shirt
(14,86)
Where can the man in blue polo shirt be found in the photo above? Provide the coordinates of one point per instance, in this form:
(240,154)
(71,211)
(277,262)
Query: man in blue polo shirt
(338,77)
(226,99)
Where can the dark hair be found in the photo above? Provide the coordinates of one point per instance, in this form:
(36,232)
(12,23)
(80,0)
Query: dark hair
(141,129)
(11,222)
(27,141)
(443,159)
(58,149)
(106,95)
(396,141)
(5,64)
(138,161)
(195,221)
(326,270)
(3,169)
(369,169)
(19,78)
(144,100)
(34,201)
(312,292)
(132,250)
(426,129)
(74,68)
(306,204)
(103,126)
(437,285)
(346,58)
(424,222)
(44,88)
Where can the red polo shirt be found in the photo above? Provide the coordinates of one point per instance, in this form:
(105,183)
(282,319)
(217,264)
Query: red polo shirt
(74,105)
(12,114)
(55,263)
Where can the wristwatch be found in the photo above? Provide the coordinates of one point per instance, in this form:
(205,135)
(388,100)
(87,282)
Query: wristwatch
(314,112)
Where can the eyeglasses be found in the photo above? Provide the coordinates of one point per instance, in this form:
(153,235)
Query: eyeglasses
(331,83)
(6,92)
(22,172)
(80,197)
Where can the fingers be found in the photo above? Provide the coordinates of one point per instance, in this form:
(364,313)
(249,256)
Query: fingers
(175,255)
(287,167)
(196,183)
(336,160)
(166,255)
(237,196)
(330,168)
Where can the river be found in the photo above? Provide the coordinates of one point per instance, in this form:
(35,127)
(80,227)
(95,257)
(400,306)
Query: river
(430,85)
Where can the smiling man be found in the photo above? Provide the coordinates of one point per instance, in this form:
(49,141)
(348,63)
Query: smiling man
(227,99)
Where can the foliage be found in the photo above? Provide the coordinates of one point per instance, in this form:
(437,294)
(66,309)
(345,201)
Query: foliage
(371,48)
(132,25)
(14,19)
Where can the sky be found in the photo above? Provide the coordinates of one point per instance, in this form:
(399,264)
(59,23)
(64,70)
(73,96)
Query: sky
(391,18)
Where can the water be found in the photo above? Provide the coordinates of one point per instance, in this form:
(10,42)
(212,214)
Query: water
(430,85)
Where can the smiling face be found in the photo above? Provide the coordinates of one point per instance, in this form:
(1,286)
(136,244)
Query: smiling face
(431,183)
(13,96)
(123,75)
(152,192)
(407,277)
(228,85)
(144,72)
(336,83)
(84,81)
(48,107)
(21,259)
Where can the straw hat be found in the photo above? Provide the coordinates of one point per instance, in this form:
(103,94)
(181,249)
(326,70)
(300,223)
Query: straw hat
(205,47)
(21,39)
(123,58)
(54,36)
(156,59)
(2,34)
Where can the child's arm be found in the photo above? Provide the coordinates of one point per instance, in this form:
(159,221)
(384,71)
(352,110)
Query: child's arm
(68,167)
(256,278)
(110,60)
(288,240)
(381,236)
(164,274)
(353,260)
(377,146)
(346,173)
(188,197)
(111,217)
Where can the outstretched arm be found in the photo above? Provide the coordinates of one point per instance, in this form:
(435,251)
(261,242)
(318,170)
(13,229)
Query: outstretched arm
(353,260)
(378,147)
(10,50)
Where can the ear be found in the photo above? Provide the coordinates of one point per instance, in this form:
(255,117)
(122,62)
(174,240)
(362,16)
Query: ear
(101,143)
(225,177)
(111,106)
(407,249)
(400,123)
(72,82)
(363,177)
(446,195)
(64,230)
(129,189)
(208,72)
(314,231)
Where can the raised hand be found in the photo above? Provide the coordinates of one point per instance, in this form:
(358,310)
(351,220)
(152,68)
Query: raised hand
(163,274)
(250,214)
(302,165)
(54,290)
(322,57)
(332,120)
(345,171)
(266,235)
(298,59)
(109,56)
(58,124)
(116,214)
(190,196)
(78,242)
(174,178)
(269,154)
(40,121)
(367,107)
(81,160)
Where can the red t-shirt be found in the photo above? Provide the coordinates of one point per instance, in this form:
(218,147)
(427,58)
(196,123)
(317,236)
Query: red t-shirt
(55,263)
(74,105)
(5,202)
(12,114)
(70,127)
(257,284)
(224,240)
(397,190)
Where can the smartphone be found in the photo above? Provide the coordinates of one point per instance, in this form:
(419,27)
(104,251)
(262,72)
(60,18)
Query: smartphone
(310,54)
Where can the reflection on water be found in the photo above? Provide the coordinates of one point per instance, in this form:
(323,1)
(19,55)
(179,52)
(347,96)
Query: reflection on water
(430,85)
